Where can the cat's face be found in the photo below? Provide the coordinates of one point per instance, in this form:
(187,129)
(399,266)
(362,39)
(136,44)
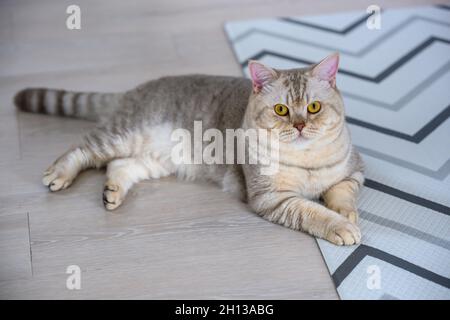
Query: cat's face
(303,104)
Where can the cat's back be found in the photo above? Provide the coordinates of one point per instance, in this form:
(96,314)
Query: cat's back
(218,101)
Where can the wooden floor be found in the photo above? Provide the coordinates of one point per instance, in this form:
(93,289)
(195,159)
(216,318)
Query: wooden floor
(169,239)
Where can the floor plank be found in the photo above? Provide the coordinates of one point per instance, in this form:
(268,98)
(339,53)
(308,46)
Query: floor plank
(15,247)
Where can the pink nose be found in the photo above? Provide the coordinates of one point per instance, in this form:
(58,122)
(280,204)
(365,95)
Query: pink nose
(299,126)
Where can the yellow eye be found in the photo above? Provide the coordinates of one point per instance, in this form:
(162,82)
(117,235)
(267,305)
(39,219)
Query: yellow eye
(281,109)
(314,107)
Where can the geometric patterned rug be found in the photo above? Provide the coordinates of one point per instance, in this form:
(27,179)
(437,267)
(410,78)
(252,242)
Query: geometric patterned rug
(396,87)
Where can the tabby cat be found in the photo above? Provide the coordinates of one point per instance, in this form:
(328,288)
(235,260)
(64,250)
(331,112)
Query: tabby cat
(133,139)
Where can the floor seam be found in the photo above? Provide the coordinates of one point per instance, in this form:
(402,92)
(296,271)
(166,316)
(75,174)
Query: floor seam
(29,243)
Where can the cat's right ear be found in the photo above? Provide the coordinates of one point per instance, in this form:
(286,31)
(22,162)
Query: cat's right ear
(327,69)
(261,75)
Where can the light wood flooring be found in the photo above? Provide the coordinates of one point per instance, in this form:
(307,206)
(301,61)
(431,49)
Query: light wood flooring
(170,239)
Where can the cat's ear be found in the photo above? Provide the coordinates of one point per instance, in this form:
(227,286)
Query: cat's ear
(327,69)
(261,75)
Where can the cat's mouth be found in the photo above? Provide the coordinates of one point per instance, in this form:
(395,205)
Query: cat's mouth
(299,134)
(291,135)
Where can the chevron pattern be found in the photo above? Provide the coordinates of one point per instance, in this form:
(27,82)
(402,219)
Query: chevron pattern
(395,82)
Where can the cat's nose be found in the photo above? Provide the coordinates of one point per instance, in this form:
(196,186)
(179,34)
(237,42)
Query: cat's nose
(299,126)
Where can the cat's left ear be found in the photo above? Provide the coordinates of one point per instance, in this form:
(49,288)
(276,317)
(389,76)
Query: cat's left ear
(261,75)
(327,69)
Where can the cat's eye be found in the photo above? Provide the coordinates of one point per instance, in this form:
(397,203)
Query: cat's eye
(281,109)
(314,107)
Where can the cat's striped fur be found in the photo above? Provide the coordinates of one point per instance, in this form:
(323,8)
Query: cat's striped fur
(83,105)
(132,139)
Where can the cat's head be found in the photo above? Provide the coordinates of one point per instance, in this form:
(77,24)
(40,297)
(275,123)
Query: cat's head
(303,104)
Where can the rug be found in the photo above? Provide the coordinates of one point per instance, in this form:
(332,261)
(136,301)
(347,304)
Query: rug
(396,86)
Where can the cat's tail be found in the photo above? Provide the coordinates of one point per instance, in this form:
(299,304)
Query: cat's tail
(83,105)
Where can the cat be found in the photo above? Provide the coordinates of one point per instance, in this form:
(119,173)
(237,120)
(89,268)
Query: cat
(133,139)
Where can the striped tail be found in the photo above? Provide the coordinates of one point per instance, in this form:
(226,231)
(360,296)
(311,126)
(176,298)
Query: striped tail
(82,105)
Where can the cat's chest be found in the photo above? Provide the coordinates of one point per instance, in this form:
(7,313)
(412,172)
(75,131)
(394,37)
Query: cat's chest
(310,183)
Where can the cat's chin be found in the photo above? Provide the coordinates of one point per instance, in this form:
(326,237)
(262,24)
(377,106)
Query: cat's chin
(299,142)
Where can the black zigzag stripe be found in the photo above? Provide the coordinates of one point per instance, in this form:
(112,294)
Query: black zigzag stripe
(417,137)
(363,251)
(443,6)
(327,29)
(377,79)
(407,196)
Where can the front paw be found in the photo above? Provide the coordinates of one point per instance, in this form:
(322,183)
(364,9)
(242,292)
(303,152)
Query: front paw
(343,232)
(350,214)
(112,196)
(55,180)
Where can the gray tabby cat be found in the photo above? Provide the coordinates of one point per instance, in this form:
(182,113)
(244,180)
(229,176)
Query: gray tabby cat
(133,139)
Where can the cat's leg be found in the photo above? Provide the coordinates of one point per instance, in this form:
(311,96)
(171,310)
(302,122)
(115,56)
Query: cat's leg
(342,196)
(122,174)
(233,182)
(97,148)
(289,210)
(65,169)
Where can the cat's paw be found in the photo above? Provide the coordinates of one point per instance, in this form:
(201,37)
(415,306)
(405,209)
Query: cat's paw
(55,180)
(343,232)
(350,214)
(113,196)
